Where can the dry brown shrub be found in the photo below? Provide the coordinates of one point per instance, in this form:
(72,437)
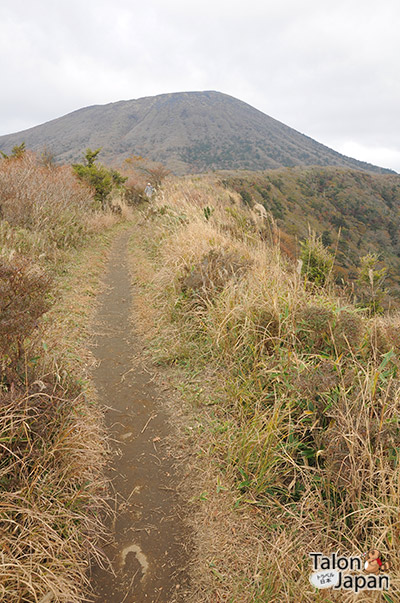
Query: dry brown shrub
(23,299)
(134,191)
(315,327)
(266,329)
(348,331)
(323,329)
(215,270)
(48,198)
(139,171)
(385,334)
(315,380)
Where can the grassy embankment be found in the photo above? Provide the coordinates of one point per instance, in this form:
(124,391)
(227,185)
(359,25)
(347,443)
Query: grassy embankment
(296,398)
(53,244)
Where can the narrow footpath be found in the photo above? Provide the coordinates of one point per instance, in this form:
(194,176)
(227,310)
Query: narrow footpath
(149,550)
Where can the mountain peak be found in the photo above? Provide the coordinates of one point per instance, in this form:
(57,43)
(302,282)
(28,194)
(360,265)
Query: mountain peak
(186,131)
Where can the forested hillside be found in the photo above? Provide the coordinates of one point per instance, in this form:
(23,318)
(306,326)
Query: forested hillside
(356,213)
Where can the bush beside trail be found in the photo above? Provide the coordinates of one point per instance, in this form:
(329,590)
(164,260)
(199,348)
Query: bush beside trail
(46,201)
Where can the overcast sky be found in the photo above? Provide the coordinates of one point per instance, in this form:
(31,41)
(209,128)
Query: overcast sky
(329,69)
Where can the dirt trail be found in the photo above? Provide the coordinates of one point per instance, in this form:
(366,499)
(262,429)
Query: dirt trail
(149,552)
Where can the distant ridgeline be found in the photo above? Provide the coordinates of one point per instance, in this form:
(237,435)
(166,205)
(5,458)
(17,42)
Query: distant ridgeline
(189,132)
(363,207)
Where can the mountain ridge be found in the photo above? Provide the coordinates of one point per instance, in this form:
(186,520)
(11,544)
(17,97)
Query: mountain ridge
(188,132)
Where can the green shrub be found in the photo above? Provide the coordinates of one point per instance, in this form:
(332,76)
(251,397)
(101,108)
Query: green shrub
(100,178)
(370,284)
(16,153)
(317,261)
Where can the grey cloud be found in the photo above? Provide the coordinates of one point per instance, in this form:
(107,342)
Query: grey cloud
(328,70)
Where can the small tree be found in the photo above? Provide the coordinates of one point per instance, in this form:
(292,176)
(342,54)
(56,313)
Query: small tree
(152,171)
(91,156)
(100,178)
(47,157)
(17,152)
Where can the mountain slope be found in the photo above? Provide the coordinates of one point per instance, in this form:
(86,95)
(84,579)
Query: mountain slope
(188,132)
(356,213)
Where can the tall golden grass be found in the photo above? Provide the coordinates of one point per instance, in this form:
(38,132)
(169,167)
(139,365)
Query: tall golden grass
(51,491)
(305,388)
(45,210)
(52,448)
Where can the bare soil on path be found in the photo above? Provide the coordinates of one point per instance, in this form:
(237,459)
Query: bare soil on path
(150,546)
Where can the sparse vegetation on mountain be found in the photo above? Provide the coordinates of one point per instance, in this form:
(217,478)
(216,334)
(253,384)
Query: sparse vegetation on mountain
(188,132)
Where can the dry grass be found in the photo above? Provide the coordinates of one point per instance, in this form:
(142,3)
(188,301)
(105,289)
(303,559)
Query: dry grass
(45,210)
(45,200)
(299,410)
(52,492)
(98,222)
(53,451)
(52,446)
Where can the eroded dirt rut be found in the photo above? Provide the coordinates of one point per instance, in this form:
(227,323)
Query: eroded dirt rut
(149,550)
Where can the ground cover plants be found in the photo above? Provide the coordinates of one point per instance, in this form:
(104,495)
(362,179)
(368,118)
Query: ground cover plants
(296,393)
(52,448)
